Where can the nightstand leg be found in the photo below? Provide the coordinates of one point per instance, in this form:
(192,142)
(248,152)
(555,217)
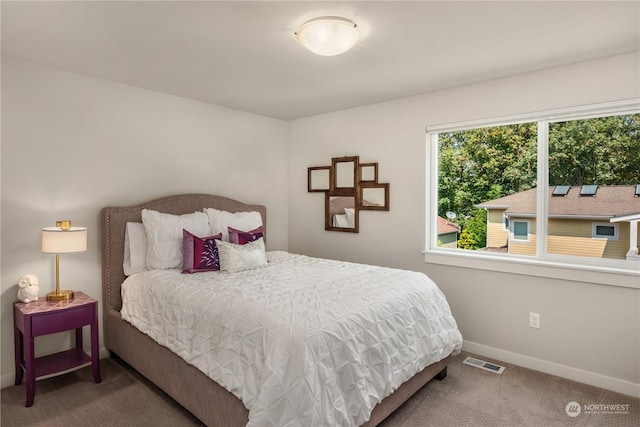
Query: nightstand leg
(79,338)
(30,369)
(95,349)
(19,353)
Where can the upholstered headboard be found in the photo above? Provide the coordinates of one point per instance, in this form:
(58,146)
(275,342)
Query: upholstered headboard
(114,221)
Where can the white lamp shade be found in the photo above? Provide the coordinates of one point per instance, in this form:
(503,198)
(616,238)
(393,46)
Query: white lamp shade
(58,241)
(328,35)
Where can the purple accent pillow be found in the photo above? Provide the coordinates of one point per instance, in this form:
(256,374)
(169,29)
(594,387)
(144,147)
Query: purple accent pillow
(199,254)
(240,237)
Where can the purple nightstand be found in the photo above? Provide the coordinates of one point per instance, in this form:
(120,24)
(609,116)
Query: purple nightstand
(44,317)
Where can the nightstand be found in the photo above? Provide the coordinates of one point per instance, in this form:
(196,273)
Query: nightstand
(44,317)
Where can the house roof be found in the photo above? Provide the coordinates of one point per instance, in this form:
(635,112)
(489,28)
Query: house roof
(445,226)
(609,201)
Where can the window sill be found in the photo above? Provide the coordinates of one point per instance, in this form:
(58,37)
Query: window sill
(602,275)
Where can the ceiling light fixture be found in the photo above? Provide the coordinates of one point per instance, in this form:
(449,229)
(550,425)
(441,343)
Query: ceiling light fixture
(328,35)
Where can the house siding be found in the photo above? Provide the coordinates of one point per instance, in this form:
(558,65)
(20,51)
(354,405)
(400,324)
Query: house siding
(497,236)
(448,240)
(565,237)
(573,237)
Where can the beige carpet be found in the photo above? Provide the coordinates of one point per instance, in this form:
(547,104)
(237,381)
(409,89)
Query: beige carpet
(467,397)
(74,400)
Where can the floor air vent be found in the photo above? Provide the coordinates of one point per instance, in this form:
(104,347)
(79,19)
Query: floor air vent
(483,365)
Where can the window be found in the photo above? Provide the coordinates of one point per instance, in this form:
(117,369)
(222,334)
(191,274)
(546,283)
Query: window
(566,172)
(521,230)
(604,231)
(505,221)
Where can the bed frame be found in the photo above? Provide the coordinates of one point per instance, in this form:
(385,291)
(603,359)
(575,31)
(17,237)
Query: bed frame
(203,397)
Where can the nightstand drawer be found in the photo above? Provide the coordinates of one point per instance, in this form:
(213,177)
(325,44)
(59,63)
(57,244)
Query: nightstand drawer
(61,321)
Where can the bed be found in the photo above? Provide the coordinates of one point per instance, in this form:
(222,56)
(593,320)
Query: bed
(209,401)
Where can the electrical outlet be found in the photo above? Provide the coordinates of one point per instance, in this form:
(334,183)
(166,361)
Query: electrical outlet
(534,320)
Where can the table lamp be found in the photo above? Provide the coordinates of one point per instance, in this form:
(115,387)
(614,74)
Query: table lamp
(63,239)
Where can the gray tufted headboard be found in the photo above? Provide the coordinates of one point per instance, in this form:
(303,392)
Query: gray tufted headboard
(114,220)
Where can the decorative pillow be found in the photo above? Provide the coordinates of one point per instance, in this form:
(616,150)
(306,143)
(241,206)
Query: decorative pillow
(135,248)
(200,254)
(241,237)
(235,257)
(164,236)
(220,221)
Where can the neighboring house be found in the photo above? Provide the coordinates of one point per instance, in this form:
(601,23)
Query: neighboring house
(447,233)
(588,220)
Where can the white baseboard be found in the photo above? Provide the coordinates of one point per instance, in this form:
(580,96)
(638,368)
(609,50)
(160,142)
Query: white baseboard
(8,380)
(585,377)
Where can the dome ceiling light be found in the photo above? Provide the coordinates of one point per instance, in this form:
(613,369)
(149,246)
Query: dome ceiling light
(328,35)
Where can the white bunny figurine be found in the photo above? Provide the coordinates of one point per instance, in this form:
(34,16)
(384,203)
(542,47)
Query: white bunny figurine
(28,288)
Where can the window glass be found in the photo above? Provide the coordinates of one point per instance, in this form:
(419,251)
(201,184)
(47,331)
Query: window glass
(597,160)
(520,230)
(478,168)
(488,176)
(605,230)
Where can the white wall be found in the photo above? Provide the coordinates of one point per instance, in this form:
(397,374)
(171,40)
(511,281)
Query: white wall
(589,332)
(73,144)
(64,135)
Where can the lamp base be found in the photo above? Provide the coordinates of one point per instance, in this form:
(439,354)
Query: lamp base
(62,296)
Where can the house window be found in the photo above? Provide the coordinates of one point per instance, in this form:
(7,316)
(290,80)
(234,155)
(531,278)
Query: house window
(559,169)
(521,230)
(604,231)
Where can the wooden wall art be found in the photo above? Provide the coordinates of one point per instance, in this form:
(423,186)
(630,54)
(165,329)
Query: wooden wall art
(349,187)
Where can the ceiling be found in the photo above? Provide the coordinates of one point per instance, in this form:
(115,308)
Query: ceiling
(244,55)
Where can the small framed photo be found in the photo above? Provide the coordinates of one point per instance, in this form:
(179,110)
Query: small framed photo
(318,179)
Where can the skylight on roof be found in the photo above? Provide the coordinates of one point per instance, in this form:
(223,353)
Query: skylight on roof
(588,190)
(561,190)
(637,190)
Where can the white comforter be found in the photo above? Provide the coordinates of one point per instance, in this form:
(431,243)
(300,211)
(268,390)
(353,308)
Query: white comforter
(302,342)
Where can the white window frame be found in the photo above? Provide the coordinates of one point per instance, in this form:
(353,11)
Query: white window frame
(594,231)
(587,269)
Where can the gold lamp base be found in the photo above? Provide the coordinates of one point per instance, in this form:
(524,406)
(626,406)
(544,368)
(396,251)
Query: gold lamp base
(60,296)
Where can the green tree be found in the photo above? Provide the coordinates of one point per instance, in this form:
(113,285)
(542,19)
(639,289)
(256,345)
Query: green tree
(602,151)
(474,230)
(479,164)
(465,241)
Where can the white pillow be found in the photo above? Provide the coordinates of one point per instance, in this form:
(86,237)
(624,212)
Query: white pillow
(234,257)
(220,221)
(135,249)
(164,236)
